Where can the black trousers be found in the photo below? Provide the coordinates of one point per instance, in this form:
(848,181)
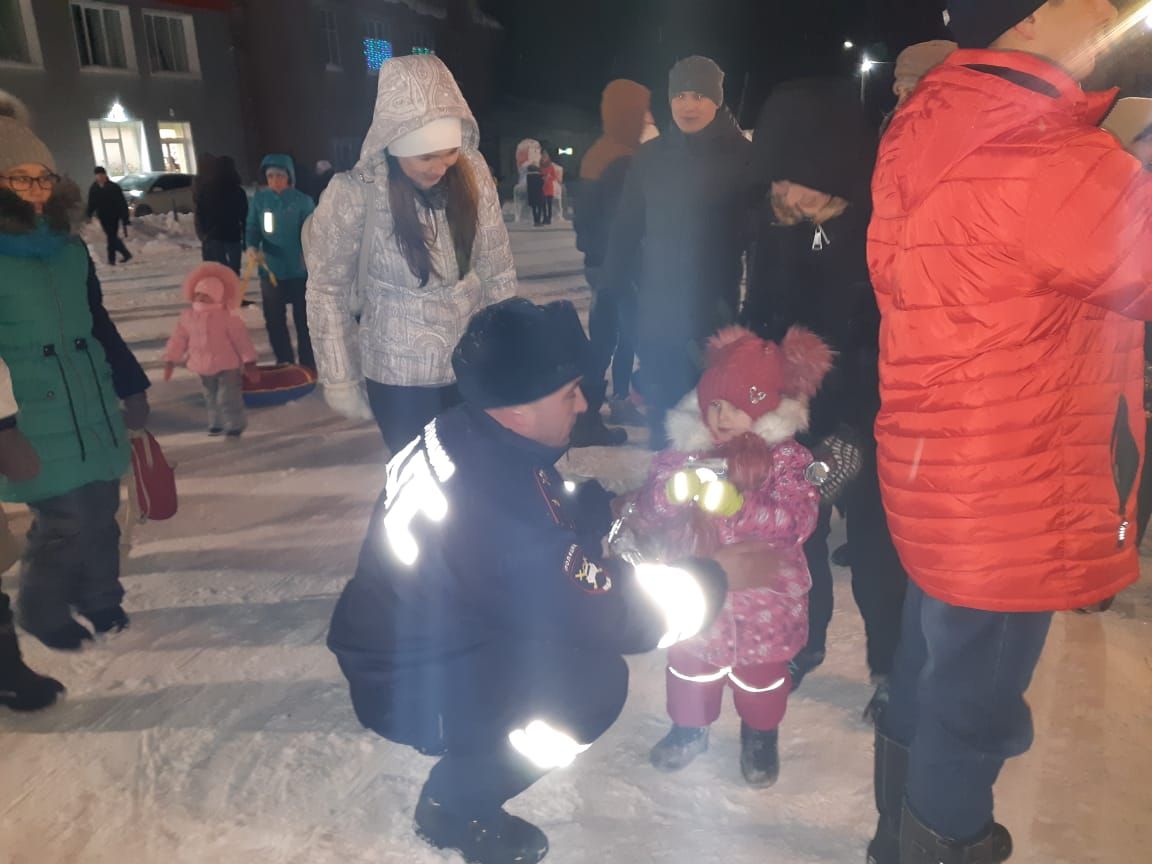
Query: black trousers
(878,578)
(115,243)
(277,298)
(228,254)
(403,412)
(668,371)
(612,333)
(465,708)
(72,560)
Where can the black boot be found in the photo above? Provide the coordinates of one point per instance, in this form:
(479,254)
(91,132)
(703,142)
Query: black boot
(890,772)
(70,637)
(21,689)
(803,663)
(759,756)
(111,620)
(497,839)
(879,700)
(590,431)
(919,844)
(678,748)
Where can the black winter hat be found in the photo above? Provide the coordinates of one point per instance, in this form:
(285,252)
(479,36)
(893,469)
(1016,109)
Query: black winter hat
(697,75)
(516,352)
(815,132)
(979,23)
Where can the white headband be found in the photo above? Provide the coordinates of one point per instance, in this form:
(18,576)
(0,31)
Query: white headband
(447,133)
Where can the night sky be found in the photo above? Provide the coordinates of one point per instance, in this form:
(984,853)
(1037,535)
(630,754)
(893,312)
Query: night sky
(568,51)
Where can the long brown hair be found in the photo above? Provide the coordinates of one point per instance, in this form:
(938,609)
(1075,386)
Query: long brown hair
(415,240)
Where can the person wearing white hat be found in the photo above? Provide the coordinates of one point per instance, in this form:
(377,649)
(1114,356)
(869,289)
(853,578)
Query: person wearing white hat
(402,251)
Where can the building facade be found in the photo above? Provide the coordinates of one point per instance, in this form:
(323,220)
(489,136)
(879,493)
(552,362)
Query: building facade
(133,85)
(309,68)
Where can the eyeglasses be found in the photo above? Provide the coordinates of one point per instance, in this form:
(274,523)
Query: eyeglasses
(22,183)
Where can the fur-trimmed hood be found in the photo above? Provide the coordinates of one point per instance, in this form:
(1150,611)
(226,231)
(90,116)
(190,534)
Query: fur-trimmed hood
(689,434)
(64,211)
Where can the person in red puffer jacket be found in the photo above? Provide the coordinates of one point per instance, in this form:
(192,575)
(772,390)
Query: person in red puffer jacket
(1009,253)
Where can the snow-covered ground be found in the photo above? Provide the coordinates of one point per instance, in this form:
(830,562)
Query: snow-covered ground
(217,730)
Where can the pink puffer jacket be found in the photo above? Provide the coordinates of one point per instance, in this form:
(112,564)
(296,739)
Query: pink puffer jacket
(215,339)
(761,625)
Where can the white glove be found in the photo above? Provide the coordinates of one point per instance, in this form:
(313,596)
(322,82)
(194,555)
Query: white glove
(349,400)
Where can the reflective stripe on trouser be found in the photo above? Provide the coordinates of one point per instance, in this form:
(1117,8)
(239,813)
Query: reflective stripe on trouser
(696,690)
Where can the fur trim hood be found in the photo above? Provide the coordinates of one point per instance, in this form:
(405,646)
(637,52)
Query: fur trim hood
(231,287)
(689,433)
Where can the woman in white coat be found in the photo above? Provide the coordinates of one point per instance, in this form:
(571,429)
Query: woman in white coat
(402,251)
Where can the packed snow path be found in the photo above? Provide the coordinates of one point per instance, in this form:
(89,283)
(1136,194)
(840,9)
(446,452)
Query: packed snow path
(217,730)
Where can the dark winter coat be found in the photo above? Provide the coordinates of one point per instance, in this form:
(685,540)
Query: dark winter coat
(108,204)
(684,215)
(596,205)
(814,132)
(221,212)
(515,559)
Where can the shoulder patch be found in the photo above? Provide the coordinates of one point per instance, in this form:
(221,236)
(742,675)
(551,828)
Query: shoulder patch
(589,576)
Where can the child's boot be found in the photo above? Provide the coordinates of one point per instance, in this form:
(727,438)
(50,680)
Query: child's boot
(679,747)
(759,756)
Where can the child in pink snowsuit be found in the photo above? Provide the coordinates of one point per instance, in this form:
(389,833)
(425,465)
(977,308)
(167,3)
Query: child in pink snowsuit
(213,341)
(749,405)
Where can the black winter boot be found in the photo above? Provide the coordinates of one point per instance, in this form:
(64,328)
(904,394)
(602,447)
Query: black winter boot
(21,689)
(678,748)
(759,756)
(890,773)
(498,839)
(111,620)
(919,844)
(70,637)
(879,700)
(803,663)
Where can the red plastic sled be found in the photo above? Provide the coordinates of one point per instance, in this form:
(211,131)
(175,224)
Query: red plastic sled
(279,385)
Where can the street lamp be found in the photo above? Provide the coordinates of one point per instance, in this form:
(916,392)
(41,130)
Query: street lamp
(849,44)
(866,66)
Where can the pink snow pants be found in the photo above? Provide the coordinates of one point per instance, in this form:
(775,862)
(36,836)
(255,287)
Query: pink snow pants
(696,690)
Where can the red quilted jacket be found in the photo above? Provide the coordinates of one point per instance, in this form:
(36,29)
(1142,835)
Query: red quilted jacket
(1011,258)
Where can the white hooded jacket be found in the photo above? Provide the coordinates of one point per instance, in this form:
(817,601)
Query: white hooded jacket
(406,333)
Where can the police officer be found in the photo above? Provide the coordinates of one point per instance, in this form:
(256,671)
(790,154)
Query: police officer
(483,624)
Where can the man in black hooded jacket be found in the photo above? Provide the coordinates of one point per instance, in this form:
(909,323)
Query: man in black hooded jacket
(684,217)
(814,152)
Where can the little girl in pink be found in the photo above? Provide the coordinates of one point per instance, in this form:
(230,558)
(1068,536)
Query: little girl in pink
(750,403)
(213,341)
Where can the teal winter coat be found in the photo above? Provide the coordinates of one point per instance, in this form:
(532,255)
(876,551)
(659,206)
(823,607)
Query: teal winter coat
(61,378)
(275,221)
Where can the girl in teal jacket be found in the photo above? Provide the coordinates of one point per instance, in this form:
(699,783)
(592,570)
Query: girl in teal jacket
(58,347)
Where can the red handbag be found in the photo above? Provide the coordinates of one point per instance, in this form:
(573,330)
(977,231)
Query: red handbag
(155,478)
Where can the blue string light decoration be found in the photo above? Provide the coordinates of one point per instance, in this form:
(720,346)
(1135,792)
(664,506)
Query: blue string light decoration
(377,52)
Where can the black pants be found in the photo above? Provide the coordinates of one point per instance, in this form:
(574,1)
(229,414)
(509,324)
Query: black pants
(548,204)
(957,700)
(477,700)
(72,560)
(668,371)
(115,243)
(878,577)
(403,412)
(612,333)
(228,254)
(277,298)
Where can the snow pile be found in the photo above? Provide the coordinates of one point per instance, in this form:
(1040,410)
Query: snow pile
(156,236)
